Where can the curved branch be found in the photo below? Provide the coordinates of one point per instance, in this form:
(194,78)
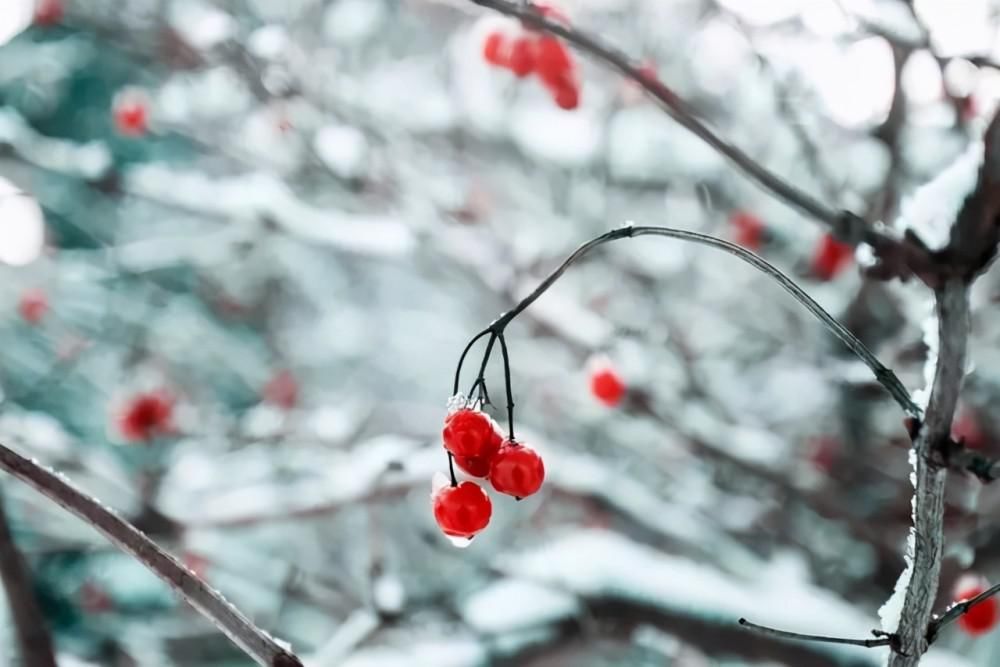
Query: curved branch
(256,643)
(883,374)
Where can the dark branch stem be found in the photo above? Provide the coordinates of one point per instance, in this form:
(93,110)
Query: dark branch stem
(256,643)
(883,375)
(510,391)
(881,639)
(33,636)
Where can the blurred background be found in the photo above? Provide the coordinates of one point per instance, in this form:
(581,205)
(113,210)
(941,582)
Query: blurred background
(242,245)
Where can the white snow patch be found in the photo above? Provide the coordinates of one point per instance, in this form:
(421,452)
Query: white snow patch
(388,594)
(453,651)
(200,24)
(350,22)
(343,149)
(932,210)
(510,605)
(268,42)
(566,138)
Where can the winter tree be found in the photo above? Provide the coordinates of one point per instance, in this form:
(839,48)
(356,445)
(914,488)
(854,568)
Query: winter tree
(673,314)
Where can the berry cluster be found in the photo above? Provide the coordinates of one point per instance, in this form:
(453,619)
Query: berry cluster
(475,443)
(525,52)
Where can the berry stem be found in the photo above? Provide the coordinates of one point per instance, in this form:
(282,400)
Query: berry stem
(461,360)
(451,469)
(507,383)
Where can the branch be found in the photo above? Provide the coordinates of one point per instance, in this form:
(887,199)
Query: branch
(881,638)
(957,610)
(883,375)
(928,512)
(33,636)
(256,643)
(846,225)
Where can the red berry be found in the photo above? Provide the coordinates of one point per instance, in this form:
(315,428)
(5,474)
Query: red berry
(966,428)
(146,416)
(282,390)
(748,230)
(517,470)
(552,61)
(131,113)
(48,12)
(567,97)
(522,56)
(479,466)
(33,306)
(468,433)
(831,257)
(463,510)
(94,599)
(824,452)
(494,49)
(607,387)
(981,617)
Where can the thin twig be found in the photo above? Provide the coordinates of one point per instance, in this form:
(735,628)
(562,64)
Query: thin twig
(883,375)
(256,643)
(881,638)
(956,610)
(33,636)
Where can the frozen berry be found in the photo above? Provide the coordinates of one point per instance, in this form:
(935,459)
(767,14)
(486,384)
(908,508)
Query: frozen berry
(282,390)
(831,258)
(131,113)
(522,56)
(479,466)
(468,433)
(146,416)
(48,12)
(494,49)
(967,429)
(517,470)
(552,61)
(607,386)
(462,510)
(748,230)
(33,306)
(981,617)
(567,97)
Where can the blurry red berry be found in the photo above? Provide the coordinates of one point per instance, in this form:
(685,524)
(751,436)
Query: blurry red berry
(552,61)
(831,257)
(494,49)
(517,470)
(823,453)
(48,12)
(131,113)
(33,305)
(606,386)
(748,230)
(468,433)
(94,599)
(463,510)
(980,618)
(522,56)
(966,428)
(567,97)
(282,390)
(146,416)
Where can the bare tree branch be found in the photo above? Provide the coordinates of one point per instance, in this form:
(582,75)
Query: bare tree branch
(33,636)
(898,258)
(880,639)
(256,643)
(953,330)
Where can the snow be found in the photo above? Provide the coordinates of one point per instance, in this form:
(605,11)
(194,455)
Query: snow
(88,160)
(343,149)
(565,138)
(891,612)
(200,24)
(514,604)
(388,594)
(14,18)
(268,42)
(350,22)
(256,195)
(932,210)
(452,651)
(22,226)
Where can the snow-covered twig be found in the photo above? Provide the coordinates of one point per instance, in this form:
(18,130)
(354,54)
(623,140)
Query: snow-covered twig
(256,643)
(33,638)
(928,502)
